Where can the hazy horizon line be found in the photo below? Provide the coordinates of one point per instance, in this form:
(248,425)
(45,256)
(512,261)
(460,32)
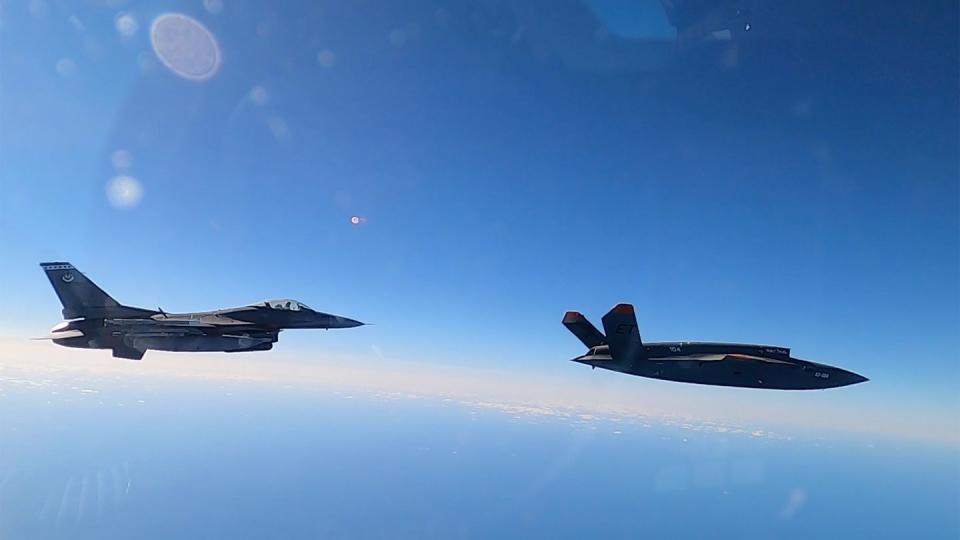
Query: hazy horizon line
(609,396)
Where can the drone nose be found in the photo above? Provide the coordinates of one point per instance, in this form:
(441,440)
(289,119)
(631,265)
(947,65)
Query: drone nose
(846,378)
(855,379)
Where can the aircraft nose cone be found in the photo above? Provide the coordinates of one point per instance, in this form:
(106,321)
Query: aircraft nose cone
(343,322)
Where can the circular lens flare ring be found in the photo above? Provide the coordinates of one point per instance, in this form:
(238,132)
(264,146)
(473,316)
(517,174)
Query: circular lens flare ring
(185,46)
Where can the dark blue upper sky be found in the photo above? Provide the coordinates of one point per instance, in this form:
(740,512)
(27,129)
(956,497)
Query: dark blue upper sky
(508,163)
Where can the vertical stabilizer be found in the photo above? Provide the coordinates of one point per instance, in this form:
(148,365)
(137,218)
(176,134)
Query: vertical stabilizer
(620,325)
(81,298)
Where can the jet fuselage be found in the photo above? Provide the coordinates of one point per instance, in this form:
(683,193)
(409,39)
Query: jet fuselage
(724,364)
(97,321)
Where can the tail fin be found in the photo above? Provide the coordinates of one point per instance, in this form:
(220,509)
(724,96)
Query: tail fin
(82,298)
(620,325)
(583,329)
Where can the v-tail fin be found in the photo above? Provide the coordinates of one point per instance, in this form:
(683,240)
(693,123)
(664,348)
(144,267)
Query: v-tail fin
(585,331)
(623,335)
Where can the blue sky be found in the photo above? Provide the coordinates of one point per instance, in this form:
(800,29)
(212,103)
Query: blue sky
(507,166)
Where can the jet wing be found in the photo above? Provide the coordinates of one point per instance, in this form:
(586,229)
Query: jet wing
(158,322)
(161,327)
(181,328)
(158,331)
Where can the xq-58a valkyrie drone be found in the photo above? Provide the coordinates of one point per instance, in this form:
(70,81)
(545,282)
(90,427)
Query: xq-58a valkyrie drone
(721,364)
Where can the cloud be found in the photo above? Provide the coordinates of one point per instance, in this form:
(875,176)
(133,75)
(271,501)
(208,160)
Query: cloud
(584,398)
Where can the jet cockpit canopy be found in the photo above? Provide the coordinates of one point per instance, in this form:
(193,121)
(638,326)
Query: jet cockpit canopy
(283,304)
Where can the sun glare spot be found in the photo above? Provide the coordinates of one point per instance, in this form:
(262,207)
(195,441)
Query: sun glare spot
(185,46)
(124,192)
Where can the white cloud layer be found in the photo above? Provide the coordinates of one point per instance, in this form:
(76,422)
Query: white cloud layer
(582,399)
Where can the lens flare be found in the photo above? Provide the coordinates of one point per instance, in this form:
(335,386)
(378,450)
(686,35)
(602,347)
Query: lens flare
(124,192)
(126,24)
(185,46)
(398,37)
(213,6)
(259,95)
(326,58)
(121,159)
(66,67)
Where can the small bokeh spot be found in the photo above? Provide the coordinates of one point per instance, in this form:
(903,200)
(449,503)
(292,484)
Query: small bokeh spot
(126,24)
(326,58)
(124,192)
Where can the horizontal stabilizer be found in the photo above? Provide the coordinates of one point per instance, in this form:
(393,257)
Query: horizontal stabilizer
(620,325)
(585,331)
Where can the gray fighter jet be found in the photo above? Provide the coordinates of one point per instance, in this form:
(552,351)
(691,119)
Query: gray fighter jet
(721,364)
(94,320)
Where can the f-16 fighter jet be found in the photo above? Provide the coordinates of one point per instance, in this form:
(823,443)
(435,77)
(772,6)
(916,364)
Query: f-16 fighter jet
(94,320)
(619,348)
